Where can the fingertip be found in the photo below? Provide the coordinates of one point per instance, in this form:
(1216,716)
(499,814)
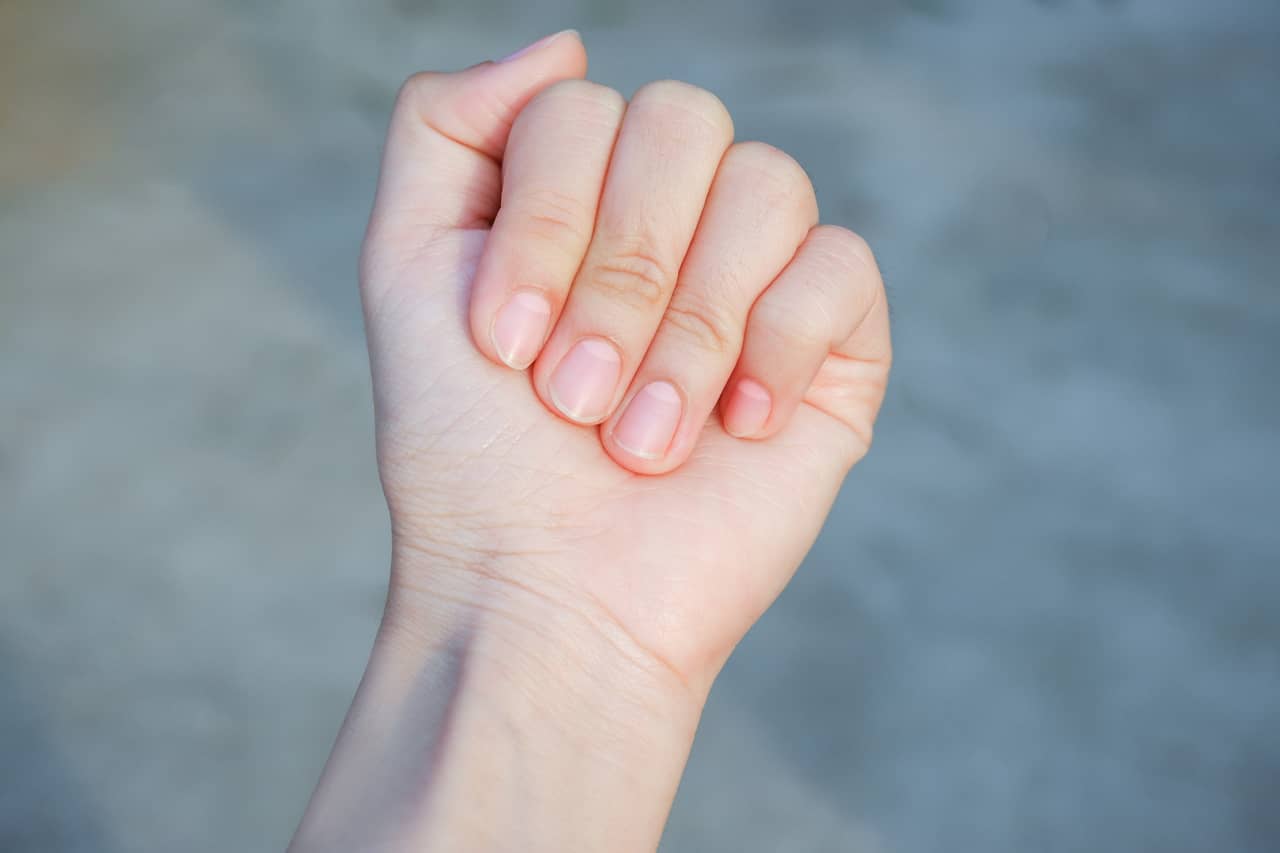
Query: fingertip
(582,386)
(639,462)
(520,327)
(648,423)
(565,46)
(747,409)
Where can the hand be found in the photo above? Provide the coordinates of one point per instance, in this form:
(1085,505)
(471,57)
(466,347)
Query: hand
(647,269)
(578,546)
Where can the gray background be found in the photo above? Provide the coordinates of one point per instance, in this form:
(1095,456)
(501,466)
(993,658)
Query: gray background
(1044,613)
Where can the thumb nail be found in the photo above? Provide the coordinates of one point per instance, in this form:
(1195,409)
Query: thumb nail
(537,45)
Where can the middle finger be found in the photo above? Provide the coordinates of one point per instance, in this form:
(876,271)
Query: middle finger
(672,138)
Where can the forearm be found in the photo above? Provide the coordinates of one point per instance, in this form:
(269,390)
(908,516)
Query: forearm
(490,717)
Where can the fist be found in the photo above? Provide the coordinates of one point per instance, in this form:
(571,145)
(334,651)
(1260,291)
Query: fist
(567,294)
(648,269)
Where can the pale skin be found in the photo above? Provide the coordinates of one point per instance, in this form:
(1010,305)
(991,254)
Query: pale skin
(620,371)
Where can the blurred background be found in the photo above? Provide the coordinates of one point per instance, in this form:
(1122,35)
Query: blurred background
(1045,615)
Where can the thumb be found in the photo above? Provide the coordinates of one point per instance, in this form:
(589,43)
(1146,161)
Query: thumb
(442,166)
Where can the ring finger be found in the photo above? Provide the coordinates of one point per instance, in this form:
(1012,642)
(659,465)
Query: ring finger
(759,210)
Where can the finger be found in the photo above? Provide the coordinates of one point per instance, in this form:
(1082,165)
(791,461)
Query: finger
(818,334)
(759,210)
(672,138)
(441,166)
(552,175)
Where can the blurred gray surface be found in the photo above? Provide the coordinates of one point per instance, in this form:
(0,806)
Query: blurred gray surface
(1046,612)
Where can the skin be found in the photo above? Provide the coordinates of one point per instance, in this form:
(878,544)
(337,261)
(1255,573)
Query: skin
(565,587)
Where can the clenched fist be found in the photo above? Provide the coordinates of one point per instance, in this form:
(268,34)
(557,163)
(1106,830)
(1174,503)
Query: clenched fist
(620,372)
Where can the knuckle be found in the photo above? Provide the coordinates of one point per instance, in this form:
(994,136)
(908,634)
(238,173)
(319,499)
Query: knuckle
(774,174)
(707,327)
(632,274)
(772,164)
(585,98)
(846,250)
(418,92)
(847,265)
(674,99)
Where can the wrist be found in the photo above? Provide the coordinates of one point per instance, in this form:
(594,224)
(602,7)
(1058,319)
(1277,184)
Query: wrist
(502,715)
(574,737)
(515,622)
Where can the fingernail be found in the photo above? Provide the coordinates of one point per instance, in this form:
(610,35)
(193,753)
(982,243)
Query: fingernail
(650,421)
(583,384)
(748,409)
(520,328)
(542,42)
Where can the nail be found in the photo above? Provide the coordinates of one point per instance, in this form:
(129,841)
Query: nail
(583,384)
(650,421)
(520,327)
(748,409)
(540,43)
